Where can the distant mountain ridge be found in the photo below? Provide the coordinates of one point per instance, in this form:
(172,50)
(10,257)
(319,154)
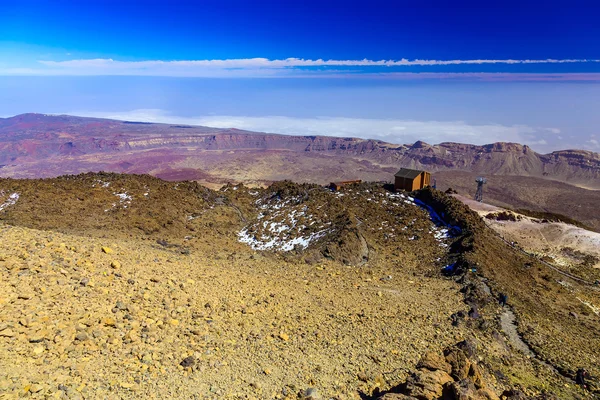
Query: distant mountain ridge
(39,145)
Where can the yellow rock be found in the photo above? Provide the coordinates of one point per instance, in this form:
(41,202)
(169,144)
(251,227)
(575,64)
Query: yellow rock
(115,264)
(107,250)
(25,295)
(284,336)
(109,321)
(35,388)
(7,333)
(38,350)
(174,322)
(132,335)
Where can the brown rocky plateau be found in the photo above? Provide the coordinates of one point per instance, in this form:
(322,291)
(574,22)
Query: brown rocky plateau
(128,286)
(38,146)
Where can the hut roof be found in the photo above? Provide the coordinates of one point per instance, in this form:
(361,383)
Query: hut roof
(408,173)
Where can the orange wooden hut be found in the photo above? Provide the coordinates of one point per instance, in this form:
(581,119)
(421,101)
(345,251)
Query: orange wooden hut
(411,179)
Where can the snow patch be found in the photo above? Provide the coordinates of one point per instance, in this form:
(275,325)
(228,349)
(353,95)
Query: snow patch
(281,225)
(278,242)
(124,200)
(11,201)
(102,183)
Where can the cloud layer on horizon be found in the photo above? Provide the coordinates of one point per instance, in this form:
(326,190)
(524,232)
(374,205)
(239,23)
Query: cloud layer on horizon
(395,131)
(290,67)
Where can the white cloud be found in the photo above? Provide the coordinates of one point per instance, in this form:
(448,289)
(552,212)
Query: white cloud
(592,144)
(293,62)
(535,142)
(252,67)
(389,130)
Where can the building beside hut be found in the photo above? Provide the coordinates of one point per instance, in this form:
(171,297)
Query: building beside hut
(411,179)
(335,186)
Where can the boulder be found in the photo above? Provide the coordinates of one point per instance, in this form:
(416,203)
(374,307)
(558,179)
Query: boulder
(427,385)
(465,390)
(459,362)
(476,376)
(514,394)
(450,377)
(434,361)
(468,347)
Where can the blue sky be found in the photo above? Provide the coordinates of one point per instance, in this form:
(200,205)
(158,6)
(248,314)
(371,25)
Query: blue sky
(397,70)
(343,30)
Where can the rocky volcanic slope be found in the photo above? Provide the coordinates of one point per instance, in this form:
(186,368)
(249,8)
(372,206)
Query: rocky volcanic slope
(120,286)
(530,194)
(36,145)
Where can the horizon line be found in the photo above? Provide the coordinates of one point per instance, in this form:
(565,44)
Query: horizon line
(151,122)
(289,67)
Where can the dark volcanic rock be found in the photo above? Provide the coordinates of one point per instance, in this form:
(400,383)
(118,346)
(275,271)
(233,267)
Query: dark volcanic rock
(188,362)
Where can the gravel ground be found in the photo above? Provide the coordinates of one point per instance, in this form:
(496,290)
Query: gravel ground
(91,318)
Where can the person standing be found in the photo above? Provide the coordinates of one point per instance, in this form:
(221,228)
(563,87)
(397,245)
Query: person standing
(503,299)
(580,377)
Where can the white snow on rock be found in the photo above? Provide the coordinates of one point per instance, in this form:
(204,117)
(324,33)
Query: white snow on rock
(440,229)
(124,197)
(281,225)
(284,223)
(11,201)
(124,200)
(280,242)
(102,183)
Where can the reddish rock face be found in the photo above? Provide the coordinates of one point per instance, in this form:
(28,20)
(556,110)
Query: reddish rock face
(506,147)
(37,145)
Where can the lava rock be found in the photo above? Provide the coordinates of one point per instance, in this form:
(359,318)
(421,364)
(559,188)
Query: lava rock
(188,362)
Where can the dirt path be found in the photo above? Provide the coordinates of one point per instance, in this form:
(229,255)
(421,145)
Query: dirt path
(509,327)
